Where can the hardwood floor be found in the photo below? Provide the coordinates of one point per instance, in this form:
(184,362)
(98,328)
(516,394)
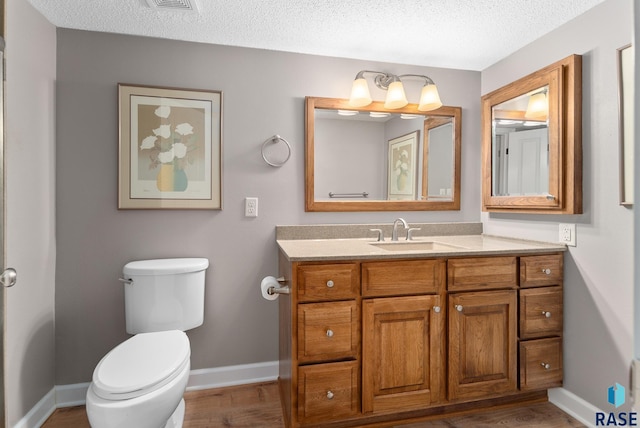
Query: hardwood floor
(258,406)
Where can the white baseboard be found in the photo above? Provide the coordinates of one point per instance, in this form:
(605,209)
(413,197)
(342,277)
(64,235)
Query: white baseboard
(40,412)
(580,409)
(233,375)
(75,394)
(71,395)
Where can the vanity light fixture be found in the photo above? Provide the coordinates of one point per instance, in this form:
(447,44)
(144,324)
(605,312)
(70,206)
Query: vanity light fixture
(347,112)
(538,107)
(396,97)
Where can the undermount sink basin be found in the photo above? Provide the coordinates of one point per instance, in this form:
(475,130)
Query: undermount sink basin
(415,246)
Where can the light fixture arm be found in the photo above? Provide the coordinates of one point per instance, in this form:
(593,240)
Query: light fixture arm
(428,80)
(382,80)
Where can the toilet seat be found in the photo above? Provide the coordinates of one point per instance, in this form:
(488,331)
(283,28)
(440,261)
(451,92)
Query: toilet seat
(141,364)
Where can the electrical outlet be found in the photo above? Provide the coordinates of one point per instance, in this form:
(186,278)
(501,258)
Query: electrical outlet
(251,207)
(567,234)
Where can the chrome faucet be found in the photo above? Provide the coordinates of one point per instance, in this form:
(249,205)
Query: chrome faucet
(394,234)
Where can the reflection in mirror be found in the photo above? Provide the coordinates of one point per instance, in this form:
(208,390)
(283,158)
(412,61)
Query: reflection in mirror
(375,159)
(520,145)
(440,158)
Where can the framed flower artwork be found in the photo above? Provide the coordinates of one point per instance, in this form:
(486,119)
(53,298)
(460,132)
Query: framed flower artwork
(402,167)
(170,148)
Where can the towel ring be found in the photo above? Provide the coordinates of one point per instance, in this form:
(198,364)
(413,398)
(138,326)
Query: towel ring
(275,139)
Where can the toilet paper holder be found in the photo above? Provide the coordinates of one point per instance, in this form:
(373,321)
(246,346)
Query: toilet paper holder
(279,290)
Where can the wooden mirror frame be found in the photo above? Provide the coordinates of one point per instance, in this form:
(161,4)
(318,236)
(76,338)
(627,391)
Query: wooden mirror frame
(311,103)
(564,79)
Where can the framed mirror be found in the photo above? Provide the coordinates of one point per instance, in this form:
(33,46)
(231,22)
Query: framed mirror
(376,159)
(531,142)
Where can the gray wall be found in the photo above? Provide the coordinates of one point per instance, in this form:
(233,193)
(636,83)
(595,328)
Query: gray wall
(350,156)
(263,95)
(30,207)
(599,270)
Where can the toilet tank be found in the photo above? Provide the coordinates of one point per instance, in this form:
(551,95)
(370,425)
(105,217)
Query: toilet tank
(164,294)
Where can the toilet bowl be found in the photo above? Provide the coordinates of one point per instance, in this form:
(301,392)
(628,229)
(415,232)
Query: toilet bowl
(141,382)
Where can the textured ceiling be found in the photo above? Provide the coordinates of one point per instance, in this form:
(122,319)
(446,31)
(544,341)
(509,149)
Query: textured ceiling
(462,34)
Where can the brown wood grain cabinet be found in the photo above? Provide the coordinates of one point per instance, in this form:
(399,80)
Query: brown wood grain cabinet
(482,344)
(540,324)
(377,340)
(403,340)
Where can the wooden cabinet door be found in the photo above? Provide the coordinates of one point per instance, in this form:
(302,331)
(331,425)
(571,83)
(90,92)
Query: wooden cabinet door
(403,353)
(482,344)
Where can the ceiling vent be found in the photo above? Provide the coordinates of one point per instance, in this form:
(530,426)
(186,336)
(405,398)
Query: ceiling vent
(186,5)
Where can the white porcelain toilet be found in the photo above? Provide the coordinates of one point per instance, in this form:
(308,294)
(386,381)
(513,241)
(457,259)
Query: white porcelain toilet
(140,383)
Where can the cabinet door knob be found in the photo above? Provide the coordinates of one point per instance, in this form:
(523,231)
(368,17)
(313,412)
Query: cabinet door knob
(329,332)
(546,366)
(459,308)
(436,309)
(546,314)
(329,395)
(330,283)
(546,271)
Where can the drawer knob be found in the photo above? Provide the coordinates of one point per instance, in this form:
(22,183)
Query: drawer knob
(546,314)
(329,332)
(546,271)
(329,395)
(436,309)
(330,284)
(459,308)
(546,366)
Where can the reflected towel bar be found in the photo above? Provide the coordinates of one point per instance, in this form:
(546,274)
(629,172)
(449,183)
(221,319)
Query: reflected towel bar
(349,195)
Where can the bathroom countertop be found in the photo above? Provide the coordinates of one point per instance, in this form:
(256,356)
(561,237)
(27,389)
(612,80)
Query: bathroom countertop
(447,246)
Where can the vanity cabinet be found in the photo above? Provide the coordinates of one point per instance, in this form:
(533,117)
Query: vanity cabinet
(370,341)
(328,341)
(403,338)
(482,327)
(482,344)
(540,321)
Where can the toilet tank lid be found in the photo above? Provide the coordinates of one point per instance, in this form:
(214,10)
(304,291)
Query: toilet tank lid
(165,266)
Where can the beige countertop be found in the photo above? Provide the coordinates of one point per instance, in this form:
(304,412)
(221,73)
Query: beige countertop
(420,247)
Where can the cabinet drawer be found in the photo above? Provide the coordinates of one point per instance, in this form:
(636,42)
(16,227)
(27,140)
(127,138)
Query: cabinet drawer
(482,273)
(393,278)
(540,363)
(328,391)
(328,282)
(327,331)
(541,270)
(540,312)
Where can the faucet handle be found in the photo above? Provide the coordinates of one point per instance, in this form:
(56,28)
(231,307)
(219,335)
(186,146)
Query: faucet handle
(410,232)
(380,234)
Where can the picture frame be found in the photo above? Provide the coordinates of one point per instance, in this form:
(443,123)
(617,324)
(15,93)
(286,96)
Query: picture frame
(170,148)
(402,167)
(625,58)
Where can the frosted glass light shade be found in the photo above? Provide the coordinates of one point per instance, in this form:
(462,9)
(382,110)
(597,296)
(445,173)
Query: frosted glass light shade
(396,97)
(360,95)
(538,107)
(429,98)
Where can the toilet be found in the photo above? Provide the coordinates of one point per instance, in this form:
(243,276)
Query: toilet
(141,382)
